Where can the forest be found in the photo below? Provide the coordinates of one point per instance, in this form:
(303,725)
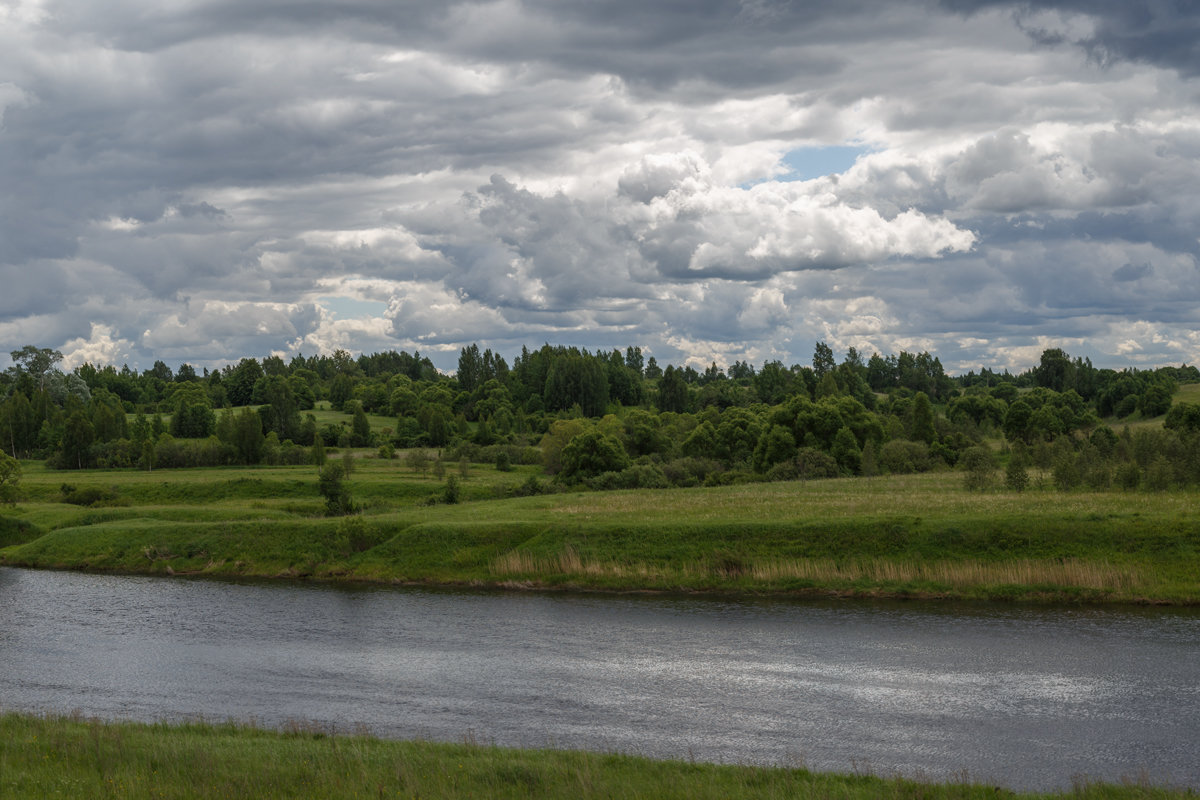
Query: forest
(610,420)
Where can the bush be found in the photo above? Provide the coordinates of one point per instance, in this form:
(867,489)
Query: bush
(979,464)
(452,492)
(90,496)
(332,486)
(1016,477)
(690,471)
(901,456)
(812,464)
(1129,476)
(639,476)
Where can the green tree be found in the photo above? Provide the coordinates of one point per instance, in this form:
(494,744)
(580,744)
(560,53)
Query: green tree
(672,391)
(452,492)
(78,435)
(317,453)
(775,446)
(822,360)
(845,449)
(248,436)
(280,410)
(979,465)
(10,479)
(1016,476)
(239,383)
(332,486)
(1016,421)
(1055,370)
(591,453)
(360,428)
(36,362)
(923,429)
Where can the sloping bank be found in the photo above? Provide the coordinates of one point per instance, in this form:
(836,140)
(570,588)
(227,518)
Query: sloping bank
(739,539)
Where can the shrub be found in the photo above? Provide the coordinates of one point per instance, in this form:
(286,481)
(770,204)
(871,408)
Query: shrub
(979,464)
(1016,477)
(638,476)
(812,463)
(902,456)
(690,471)
(1129,475)
(89,496)
(452,492)
(332,486)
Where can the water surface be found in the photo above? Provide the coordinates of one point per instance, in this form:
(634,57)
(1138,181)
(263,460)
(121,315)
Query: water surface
(1025,697)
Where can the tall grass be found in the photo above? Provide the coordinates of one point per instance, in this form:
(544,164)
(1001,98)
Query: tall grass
(44,757)
(960,575)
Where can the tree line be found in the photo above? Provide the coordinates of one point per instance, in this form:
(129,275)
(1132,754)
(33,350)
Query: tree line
(606,418)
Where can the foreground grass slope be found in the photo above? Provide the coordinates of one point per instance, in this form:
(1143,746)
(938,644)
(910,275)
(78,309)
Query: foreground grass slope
(45,757)
(916,535)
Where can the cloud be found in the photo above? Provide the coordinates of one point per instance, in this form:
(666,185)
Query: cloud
(187,180)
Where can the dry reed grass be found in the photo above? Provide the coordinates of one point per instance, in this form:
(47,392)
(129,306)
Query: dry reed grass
(955,574)
(959,575)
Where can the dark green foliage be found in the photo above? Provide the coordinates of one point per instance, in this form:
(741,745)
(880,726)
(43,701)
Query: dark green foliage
(78,435)
(1159,475)
(776,445)
(923,429)
(672,391)
(239,381)
(10,479)
(638,476)
(577,379)
(332,486)
(1016,476)
(246,435)
(1184,418)
(900,456)
(813,464)
(193,421)
(979,468)
(1156,400)
(360,428)
(846,452)
(89,495)
(591,453)
(1016,421)
(452,492)
(280,409)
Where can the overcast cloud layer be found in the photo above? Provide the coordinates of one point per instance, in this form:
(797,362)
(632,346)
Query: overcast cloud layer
(203,180)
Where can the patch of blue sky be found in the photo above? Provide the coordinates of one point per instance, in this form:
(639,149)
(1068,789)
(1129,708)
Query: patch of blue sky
(351,308)
(806,163)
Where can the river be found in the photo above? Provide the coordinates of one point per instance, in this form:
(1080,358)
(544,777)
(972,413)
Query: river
(1027,697)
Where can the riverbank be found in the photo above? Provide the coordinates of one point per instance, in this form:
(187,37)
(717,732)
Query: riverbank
(47,756)
(898,536)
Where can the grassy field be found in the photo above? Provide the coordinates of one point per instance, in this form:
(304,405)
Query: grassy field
(915,535)
(48,757)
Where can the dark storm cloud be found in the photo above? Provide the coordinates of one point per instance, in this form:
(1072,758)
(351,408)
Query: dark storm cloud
(1165,33)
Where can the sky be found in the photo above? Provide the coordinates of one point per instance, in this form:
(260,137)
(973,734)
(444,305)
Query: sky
(711,180)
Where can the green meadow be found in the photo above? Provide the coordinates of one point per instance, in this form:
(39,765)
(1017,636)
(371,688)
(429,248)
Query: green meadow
(55,757)
(918,535)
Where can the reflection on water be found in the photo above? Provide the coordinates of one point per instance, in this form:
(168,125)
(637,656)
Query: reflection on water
(1028,697)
